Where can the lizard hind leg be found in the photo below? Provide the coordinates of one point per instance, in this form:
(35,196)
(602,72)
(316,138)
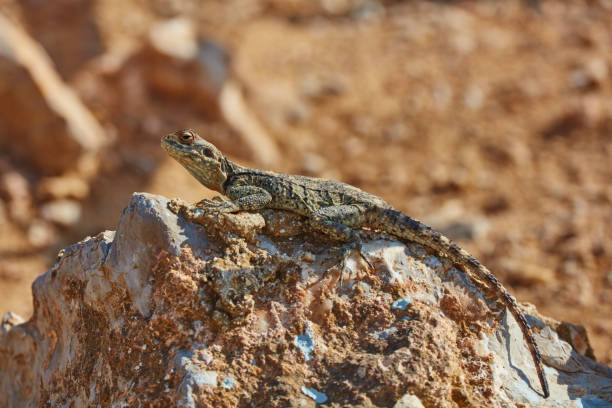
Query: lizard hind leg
(339,223)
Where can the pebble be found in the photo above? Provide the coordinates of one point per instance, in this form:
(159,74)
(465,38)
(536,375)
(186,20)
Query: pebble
(61,212)
(408,401)
(41,233)
(313,164)
(62,187)
(175,37)
(15,188)
(474,97)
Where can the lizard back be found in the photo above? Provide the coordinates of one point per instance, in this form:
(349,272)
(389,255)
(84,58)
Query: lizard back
(302,194)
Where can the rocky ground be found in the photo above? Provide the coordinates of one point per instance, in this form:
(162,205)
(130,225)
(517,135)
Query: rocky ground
(491,121)
(248,310)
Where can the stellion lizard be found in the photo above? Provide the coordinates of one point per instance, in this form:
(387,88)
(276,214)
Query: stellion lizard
(336,209)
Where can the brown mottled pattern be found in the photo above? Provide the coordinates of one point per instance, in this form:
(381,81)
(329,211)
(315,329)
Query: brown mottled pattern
(334,208)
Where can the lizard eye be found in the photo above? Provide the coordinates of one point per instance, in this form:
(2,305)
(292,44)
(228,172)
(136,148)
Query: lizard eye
(208,153)
(186,138)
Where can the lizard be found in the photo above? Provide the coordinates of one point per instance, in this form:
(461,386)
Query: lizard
(336,209)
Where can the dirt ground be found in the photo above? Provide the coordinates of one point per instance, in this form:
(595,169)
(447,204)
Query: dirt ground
(490,121)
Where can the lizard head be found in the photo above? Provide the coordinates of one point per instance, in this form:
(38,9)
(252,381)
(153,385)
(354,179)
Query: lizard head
(201,158)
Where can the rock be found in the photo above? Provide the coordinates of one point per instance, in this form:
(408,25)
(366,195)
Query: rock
(168,313)
(313,164)
(177,78)
(178,64)
(580,80)
(3,213)
(43,122)
(67,29)
(61,212)
(177,37)
(191,68)
(15,190)
(241,117)
(15,187)
(62,187)
(474,97)
(565,124)
(9,320)
(41,234)
(409,401)
(589,77)
(317,88)
(527,273)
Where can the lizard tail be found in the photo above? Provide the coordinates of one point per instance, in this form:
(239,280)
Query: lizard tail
(404,227)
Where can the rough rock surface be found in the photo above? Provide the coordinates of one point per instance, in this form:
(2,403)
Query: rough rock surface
(247,310)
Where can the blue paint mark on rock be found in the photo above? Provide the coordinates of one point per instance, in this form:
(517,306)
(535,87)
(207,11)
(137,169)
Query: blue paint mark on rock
(401,304)
(306,343)
(319,397)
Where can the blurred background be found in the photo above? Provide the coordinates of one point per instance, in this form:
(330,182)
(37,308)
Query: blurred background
(488,120)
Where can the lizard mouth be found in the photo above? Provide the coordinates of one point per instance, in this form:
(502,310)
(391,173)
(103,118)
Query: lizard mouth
(173,147)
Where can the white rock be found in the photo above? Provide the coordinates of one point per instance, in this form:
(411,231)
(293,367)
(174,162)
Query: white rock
(409,401)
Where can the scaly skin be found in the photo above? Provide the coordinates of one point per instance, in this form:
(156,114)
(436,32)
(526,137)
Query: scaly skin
(333,208)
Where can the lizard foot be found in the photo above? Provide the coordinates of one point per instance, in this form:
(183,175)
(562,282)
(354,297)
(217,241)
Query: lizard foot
(190,212)
(217,204)
(347,251)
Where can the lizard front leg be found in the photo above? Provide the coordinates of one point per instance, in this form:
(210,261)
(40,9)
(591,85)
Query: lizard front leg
(241,198)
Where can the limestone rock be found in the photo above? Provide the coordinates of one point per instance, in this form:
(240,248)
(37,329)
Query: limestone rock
(179,74)
(61,212)
(43,122)
(186,67)
(15,191)
(167,313)
(68,186)
(67,30)
(178,64)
